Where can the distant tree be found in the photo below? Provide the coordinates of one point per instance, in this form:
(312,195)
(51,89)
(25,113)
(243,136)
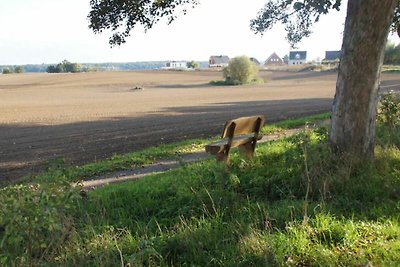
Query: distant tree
(7,71)
(392,54)
(286,59)
(241,70)
(75,67)
(19,69)
(53,69)
(193,65)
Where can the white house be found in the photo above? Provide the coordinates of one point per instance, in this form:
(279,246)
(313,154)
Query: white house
(297,57)
(175,65)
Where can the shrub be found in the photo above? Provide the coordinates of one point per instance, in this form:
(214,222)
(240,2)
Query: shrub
(241,70)
(389,110)
(35,220)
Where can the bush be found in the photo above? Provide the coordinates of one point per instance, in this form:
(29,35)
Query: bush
(35,220)
(389,110)
(241,70)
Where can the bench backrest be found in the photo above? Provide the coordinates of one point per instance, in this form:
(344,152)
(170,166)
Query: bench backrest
(243,125)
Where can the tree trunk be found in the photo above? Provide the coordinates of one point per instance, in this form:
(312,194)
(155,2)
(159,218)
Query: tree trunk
(354,108)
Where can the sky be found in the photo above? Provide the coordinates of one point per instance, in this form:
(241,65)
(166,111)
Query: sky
(49,31)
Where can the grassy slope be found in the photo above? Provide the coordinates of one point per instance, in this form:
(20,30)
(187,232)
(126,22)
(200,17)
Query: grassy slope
(253,213)
(247,213)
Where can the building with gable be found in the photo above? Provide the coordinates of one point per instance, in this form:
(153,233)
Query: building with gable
(218,61)
(297,57)
(274,60)
(331,56)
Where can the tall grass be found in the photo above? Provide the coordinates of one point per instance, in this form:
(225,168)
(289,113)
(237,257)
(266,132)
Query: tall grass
(248,213)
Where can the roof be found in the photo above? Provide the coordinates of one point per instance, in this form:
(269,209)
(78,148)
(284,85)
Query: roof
(253,59)
(298,55)
(332,55)
(219,59)
(274,55)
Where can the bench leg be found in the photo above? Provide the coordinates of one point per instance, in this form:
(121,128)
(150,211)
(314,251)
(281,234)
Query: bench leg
(222,157)
(247,150)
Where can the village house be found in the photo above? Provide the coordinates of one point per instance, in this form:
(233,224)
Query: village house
(332,56)
(273,60)
(218,61)
(297,57)
(175,65)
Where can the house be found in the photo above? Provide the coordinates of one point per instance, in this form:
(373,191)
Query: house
(333,55)
(255,61)
(218,61)
(274,59)
(297,57)
(175,65)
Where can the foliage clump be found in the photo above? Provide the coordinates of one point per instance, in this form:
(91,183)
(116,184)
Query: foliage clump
(64,67)
(392,54)
(7,71)
(241,70)
(193,65)
(389,109)
(35,220)
(17,69)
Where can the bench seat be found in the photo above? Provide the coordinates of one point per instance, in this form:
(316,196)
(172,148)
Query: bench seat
(221,145)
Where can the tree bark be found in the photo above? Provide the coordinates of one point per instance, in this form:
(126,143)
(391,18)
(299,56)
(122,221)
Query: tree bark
(354,108)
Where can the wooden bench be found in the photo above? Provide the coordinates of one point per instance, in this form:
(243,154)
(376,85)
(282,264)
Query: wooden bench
(241,132)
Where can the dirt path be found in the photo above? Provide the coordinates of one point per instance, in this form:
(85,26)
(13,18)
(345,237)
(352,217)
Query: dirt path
(162,166)
(91,116)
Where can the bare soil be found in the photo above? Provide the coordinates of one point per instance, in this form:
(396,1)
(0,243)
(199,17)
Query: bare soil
(91,116)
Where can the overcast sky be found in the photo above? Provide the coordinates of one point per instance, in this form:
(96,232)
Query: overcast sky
(49,31)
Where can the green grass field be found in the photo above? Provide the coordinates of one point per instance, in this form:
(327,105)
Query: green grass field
(295,204)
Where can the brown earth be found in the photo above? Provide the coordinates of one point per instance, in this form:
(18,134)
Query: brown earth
(90,116)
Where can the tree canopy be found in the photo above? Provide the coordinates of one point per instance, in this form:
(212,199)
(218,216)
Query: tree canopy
(299,16)
(122,16)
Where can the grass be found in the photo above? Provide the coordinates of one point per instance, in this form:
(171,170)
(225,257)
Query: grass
(390,68)
(228,82)
(295,204)
(58,166)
